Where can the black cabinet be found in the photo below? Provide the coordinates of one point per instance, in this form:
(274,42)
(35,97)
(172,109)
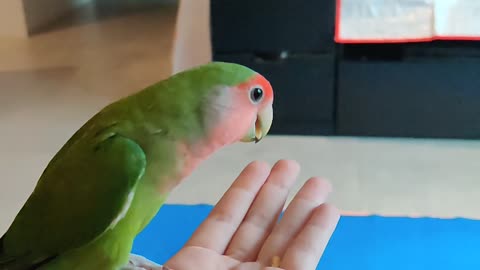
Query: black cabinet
(303,87)
(436,98)
(321,88)
(272,25)
(292,44)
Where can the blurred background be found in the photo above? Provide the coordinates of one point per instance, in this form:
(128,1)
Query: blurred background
(380,97)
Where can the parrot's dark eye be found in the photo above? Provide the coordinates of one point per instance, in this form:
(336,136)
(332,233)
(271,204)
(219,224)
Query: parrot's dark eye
(256,94)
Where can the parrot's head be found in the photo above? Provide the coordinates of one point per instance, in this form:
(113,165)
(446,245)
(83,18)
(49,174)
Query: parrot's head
(229,102)
(256,95)
(242,104)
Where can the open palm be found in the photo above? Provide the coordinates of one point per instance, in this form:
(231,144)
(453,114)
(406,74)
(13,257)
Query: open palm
(243,232)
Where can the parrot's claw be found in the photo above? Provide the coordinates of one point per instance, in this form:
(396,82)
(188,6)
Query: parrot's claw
(137,262)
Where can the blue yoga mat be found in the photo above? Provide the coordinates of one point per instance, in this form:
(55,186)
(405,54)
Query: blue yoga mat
(371,242)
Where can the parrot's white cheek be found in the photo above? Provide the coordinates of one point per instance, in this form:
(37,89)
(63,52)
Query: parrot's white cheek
(217,107)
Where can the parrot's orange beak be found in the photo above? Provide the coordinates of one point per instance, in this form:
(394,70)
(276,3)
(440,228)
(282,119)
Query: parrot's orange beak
(261,126)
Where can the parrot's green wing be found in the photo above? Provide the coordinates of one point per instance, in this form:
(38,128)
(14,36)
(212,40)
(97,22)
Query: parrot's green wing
(84,191)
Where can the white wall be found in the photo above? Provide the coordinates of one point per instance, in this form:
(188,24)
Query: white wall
(12,20)
(192,45)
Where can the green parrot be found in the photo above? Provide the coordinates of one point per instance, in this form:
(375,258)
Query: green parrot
(112,176)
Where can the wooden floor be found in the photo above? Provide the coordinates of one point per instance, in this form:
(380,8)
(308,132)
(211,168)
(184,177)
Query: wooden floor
(53,82)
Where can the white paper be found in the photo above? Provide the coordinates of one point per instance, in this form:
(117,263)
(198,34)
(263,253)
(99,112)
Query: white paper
(457,18)
(386,19)
(366,20)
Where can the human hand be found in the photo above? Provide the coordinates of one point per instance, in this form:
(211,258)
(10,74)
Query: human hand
(243,233)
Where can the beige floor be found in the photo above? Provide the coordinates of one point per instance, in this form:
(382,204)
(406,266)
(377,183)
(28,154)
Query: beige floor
(53,82)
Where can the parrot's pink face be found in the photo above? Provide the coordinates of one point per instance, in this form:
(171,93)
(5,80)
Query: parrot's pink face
(241,113)
(245,112)
(257,97)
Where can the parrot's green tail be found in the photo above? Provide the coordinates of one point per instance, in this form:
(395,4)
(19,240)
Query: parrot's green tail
(8,262)
(5,260)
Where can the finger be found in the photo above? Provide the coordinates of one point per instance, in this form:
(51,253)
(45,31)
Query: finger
(313,193)
(254,266)
(217,230)
(264,212)
(307,248)
(251,266)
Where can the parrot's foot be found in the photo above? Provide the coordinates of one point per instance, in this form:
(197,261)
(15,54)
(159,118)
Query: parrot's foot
(137,262)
